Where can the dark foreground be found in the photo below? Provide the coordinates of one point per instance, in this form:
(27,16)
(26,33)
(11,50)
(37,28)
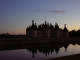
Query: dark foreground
(35,46)
(70,57)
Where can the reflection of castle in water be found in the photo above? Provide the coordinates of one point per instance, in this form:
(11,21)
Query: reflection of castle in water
(46,30)
(47,49)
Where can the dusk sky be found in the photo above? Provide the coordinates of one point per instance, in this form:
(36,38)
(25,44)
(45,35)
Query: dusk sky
(16,15)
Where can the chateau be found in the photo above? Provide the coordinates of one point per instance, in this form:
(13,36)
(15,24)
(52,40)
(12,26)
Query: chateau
(46,30)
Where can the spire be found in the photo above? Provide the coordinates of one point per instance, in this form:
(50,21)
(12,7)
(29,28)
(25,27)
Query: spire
(32,22)
(64,25)
(65,29)
(45,22)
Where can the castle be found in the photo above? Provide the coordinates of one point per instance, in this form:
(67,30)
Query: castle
(46,30)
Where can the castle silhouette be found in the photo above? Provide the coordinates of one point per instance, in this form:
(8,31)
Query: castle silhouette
(46,31)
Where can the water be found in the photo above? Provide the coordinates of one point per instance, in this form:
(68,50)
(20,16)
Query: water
(38,52)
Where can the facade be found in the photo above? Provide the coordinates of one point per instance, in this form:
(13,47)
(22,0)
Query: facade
(46,30)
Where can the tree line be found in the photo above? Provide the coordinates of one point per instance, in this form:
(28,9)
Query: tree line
(72,33)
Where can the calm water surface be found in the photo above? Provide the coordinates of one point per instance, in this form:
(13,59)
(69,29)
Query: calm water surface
(39,52)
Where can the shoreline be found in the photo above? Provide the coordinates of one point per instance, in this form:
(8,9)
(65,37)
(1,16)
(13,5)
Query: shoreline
(22,41)
(69,57)
(36,41)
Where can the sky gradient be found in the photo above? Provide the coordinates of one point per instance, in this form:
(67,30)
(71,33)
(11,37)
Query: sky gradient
(16,15)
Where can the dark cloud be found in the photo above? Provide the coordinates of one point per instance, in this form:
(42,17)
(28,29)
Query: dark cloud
(37,10)
(57,11)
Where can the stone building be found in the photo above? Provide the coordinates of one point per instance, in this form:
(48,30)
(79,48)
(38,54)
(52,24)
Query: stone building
(46,30)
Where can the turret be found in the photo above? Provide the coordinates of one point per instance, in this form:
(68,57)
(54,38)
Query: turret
(35,24)
(64,25)
(65,29)
(45,22)
(56,26)
(32,22)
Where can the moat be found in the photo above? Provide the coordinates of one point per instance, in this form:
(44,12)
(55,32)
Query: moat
(39,51)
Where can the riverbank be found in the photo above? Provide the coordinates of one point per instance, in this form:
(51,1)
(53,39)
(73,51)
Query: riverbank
(70,57)
(22,41)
